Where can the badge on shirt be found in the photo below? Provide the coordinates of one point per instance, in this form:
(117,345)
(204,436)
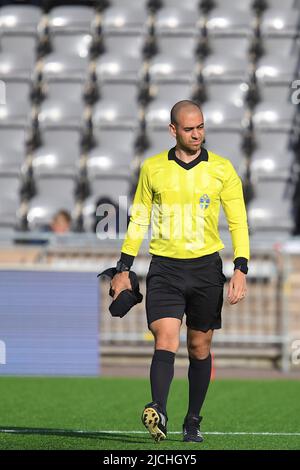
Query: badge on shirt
(204,201)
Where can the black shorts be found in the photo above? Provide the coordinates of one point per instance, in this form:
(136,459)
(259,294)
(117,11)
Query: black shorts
(193,287)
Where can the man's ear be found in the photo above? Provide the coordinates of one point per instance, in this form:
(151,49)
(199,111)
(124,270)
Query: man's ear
(172,130)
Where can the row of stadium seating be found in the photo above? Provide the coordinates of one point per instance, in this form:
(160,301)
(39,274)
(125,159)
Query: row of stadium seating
(82,117)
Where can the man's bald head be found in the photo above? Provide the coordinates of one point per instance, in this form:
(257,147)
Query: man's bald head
(183,106)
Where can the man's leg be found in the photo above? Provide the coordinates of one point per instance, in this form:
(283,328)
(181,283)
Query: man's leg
(198,343)
(166,334)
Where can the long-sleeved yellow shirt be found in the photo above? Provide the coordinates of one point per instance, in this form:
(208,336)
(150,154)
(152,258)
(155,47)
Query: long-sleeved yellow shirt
(182,203)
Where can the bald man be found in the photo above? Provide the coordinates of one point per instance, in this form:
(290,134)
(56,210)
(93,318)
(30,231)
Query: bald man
(180,191)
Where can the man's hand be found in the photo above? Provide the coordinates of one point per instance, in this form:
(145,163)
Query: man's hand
(237,287)
(120,282)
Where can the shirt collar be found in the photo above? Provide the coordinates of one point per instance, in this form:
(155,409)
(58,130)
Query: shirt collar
(202,157)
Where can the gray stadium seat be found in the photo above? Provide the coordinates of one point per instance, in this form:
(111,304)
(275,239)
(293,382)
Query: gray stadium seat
(61,159)
(114,138)
(280,22)
(187,4)
(274,116)
(64,67)
(271,208)
(159,140)
(132,44)
(9,200)
(222,116)
(53,194)
(20,19)
(12,151)
(246,5)
(234,22)
(225,68)
(14,44)
(15,89)
(124,20)
(16,66)
(72,44)
(276,69)
(107,161)
(71,18)
(267,141)
(271,164)
(176,21)
(172,69)
(227,145)
(64,76)
(121,114)
(234,93)
(15,114)
(63,115)
(118,67)
(157,115)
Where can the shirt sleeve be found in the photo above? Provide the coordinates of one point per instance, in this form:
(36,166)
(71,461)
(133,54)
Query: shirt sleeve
(140,214)
(232,200)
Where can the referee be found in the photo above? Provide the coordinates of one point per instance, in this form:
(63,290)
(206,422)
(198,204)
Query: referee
(179,192)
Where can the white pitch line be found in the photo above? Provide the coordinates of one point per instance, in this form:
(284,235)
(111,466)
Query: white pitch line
(105,431)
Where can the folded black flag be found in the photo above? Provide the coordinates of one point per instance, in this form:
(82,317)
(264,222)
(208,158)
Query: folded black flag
(127,298)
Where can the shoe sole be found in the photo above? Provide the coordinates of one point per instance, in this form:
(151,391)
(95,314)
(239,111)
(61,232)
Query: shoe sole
(150,420)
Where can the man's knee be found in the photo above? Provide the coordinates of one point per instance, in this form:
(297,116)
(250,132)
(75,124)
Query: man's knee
(199,349)
(167,342)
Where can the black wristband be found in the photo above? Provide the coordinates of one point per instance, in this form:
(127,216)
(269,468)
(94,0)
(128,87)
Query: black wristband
(127,259)
(241,264)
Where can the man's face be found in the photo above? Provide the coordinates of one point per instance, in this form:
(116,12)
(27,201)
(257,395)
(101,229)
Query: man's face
(189,130)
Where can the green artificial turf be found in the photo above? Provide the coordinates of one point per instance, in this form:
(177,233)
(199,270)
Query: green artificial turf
(47,413)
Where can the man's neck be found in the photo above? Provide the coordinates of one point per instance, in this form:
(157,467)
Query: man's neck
(185,156)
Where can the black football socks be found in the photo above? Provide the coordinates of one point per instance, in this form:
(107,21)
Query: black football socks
(199,378)
(161,375)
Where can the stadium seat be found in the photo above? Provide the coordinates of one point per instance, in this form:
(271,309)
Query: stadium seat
(172,69)
(226,68)
(270,213)
(233,93)
(16,66)
(12,151)
(53,194)
(275,68)
(114,138)
(61,66)
(71,18)
(121,114)
(271,164)
(186,5)
(274,116)
(109,161)
(61,159)
(234,22)
(118,67)
(159,140)
(176,21)
(246,5)
(124,20)
(72,44)
(20,19)
(280,22)
(15,114)
(9,200)
(227,145)
(222,116)
(62,115)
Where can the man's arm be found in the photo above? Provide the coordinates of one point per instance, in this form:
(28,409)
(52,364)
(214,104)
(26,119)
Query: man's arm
(233,203)
(137,228)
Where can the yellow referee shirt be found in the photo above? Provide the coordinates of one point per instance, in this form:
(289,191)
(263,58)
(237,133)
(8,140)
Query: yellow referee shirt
(182,203)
